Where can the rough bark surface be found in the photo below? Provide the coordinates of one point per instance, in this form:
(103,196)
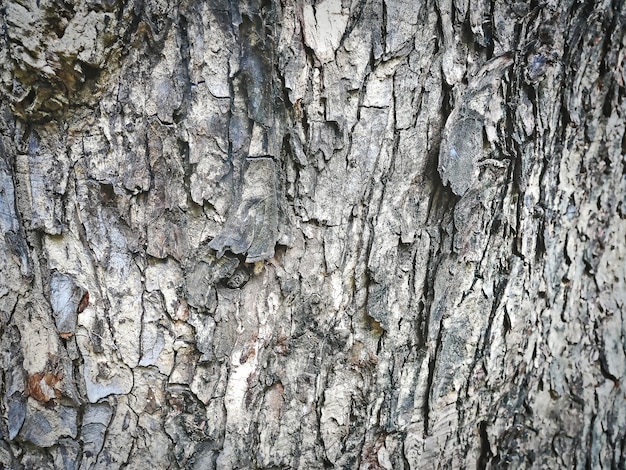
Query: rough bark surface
(312,234)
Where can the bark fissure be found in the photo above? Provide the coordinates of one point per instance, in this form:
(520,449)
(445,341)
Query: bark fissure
(369,234)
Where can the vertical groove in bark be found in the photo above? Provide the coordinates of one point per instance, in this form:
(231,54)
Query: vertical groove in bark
(367,234)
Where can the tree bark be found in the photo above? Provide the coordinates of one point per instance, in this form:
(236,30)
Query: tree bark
(373,234)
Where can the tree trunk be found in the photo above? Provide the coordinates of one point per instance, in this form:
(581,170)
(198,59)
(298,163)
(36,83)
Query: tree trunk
(373,234)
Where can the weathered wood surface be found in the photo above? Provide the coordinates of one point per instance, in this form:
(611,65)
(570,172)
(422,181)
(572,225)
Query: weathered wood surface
(312,234)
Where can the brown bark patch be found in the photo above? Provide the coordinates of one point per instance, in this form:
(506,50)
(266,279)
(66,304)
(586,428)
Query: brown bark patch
(41,386)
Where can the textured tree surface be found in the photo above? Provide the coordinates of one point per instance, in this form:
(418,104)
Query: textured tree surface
(374,234)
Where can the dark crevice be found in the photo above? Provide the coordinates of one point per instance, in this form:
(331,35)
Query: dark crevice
(604,367)
(467,35)
(383,28)
(432,365)
(90,72)
(185,72)
(488,31)
(566,257)
(540,245)
(588,456)
(485,450)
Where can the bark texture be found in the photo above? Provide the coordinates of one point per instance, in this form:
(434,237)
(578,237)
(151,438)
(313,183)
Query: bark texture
(375,234)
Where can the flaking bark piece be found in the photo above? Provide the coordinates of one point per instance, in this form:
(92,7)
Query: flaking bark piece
(201,276)
(458,159)
(462,143)
(67,300)
(253,228)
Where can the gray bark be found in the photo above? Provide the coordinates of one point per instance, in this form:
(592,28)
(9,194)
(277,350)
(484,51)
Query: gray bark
(312,234)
